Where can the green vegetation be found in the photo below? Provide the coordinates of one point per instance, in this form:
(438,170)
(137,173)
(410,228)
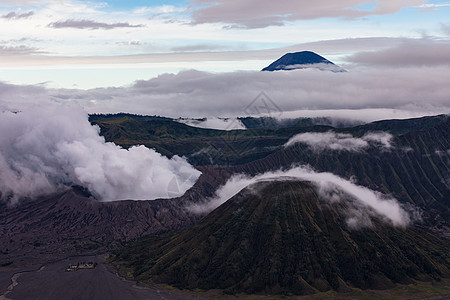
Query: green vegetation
(282,241)
(208,146)
(278,238)
(414,171)
(202,146)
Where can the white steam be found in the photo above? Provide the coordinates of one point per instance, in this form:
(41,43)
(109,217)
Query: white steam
(320,141)
(45,149)
(331,187)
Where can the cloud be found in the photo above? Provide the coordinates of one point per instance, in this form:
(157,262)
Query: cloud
(331,47)
(330,187)
(130,43)
(28,2)
(382,139)
(15,98)
(16,16)
(199,94)
(319,66)
(359,116)
(410,53)
(162,9)
(433,5)
(263,13)
(197,47)
(6,50)
(89,24)
(445,29)
(48,148)
(214,123)
(320,141)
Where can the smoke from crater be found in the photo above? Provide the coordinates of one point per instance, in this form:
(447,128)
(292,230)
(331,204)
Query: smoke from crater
(46,149)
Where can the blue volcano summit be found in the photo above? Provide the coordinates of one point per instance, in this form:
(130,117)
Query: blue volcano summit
(303,60)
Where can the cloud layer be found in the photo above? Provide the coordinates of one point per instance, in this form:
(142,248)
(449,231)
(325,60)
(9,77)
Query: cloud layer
(15,16)
(320,141)
(263,13)
(410,53)
(201,94)
(46,149)
(89,24)
(331,187)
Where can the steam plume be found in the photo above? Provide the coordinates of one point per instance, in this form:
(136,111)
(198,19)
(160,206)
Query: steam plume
(49,148)
(319,141)
(329,186)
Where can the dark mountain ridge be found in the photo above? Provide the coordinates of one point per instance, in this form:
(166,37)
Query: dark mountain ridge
(415,170)
(280,237)
(71,223)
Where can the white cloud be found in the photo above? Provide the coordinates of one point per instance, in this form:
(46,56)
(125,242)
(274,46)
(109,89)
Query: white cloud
(382,139)
(162,9)
(433,5)
(50,147)
(361,115)
(320,141)
(331,187)
(214,123)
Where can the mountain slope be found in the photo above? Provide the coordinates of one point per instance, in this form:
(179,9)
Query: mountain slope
(279,237)
(71,223)
(416,170)
(302,60)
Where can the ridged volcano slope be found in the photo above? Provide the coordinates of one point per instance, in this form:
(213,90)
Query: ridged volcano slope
(416,170)
(279,237)
(301,60)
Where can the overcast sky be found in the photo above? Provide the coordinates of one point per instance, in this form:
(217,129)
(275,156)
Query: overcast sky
(111,56)
(87,44)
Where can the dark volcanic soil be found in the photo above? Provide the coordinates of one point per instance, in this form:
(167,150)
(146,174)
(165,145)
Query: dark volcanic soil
(51,281)
(71,223)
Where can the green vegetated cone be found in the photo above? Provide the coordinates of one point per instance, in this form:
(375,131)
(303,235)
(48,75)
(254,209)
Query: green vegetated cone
(280,237)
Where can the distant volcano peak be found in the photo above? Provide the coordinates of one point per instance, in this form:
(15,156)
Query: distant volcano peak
(303,60)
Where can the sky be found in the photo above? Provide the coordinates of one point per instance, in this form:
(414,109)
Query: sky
(100,54)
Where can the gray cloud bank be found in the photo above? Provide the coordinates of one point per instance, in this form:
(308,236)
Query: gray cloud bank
(320,141)
(330,187)
(48,148)
(89,24)
(263,13)
(199,94)
(410,53)
(16,16)
(7,50)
